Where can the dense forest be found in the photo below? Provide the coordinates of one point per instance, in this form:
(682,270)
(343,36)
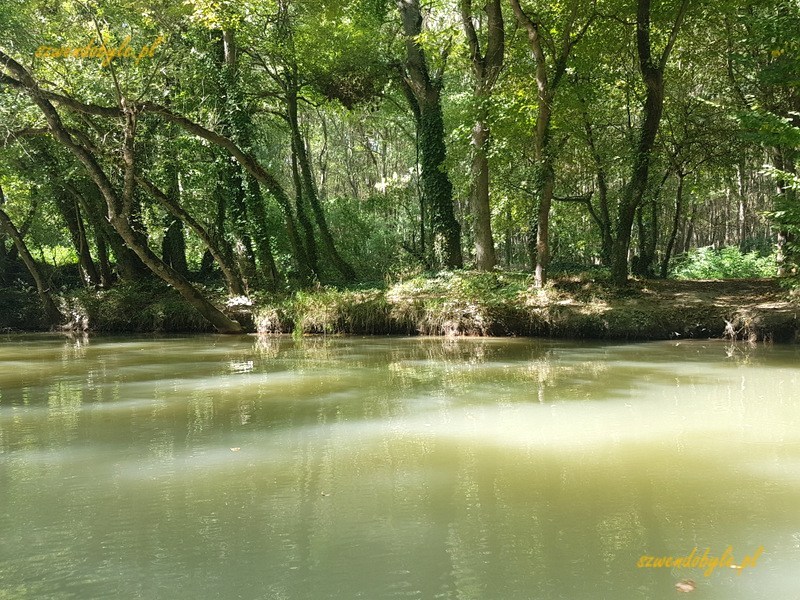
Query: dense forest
(236,148)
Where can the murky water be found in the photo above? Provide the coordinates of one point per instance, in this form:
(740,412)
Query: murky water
(218,467)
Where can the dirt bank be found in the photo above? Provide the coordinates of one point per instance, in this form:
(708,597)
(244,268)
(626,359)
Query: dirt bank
(461,303)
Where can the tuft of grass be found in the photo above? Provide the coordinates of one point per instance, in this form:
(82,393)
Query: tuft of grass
(339,311)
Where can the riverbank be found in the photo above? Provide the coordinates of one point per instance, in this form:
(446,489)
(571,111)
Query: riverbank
(455,304)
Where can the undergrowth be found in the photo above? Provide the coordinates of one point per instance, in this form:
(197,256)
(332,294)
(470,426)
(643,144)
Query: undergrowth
(725,263)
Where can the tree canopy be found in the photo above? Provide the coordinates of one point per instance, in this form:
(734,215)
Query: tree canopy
(278,144)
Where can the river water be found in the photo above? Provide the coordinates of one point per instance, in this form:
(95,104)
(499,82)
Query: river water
(267,467)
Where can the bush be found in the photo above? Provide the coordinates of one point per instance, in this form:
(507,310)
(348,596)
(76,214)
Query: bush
(141,306)
(22,310)
(726,263)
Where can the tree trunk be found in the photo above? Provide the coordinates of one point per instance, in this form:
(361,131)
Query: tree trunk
(129,267)
(436,185)
(652,72)
(54,316)
(542,233)
(106,274)
(119,207)
(786,199)
(673,234)
(687,243)
(603,216)
(257,210)
(634,191)
(213,315)
(742,203)
(546,86)
(70,213)
(485,258)
(171,203)
(302,215)
(173,247)
(423,90)
(310,190)
(486,69)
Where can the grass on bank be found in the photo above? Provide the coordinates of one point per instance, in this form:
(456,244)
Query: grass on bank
(583,305)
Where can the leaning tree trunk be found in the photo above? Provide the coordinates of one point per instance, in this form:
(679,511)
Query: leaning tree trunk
(310,191)
(129,267)
(119,208)
(213,315)
(54,316)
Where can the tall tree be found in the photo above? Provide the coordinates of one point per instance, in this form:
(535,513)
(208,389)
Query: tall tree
(423,89)
(551,54)
(651,67)
(119,203)
(486,68)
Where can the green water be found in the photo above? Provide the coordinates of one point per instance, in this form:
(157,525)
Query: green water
(246,467)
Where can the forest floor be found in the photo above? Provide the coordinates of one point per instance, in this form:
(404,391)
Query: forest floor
(752,309)
(453,304)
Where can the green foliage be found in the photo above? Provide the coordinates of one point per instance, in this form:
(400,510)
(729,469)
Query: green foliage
(137,307)
(725,263)
(365,240)
(22,310)
(730,101)
(339,311)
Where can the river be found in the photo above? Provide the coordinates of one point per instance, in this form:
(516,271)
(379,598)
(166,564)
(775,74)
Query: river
(253,467)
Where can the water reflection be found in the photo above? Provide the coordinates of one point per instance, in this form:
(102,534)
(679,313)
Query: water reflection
(268,467)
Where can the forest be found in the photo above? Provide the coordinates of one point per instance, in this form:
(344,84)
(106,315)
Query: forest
(230,153)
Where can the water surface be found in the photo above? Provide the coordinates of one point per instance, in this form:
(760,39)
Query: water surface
(256,467)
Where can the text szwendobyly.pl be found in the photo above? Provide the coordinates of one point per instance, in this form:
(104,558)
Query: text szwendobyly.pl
(704,561)
(103,52)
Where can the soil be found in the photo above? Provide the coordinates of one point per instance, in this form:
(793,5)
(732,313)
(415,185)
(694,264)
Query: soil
(745,309)
(751,309)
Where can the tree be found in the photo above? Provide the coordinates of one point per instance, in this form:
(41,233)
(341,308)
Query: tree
(119,203)
(53,315)
(423,89)
(551,59)
(652,69)
(486,68)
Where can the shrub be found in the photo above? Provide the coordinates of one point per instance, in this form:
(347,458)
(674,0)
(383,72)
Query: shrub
(726,263)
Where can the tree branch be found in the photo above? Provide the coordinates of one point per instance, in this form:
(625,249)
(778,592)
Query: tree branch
(478,62)
(673,35)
